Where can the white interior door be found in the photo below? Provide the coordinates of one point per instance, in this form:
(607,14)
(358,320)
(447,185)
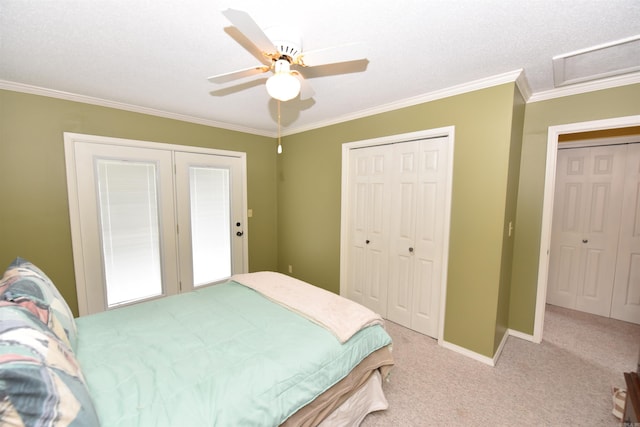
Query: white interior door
(626,290)
(368,227)
(210,218)
(586,221)
(417,234)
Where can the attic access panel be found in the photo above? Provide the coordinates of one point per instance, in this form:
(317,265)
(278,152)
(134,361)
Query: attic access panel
(606,60)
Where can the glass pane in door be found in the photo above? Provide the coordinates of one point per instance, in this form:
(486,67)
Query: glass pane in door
(128,210)
(210,224)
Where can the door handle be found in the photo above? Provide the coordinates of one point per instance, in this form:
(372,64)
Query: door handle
(411,249)
(367,241)
(585,241)
(239,233)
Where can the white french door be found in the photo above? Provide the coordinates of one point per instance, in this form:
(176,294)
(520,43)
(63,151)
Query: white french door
(149,220)
(209,199)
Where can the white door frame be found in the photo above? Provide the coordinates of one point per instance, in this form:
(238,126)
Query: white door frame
(448,131)
(547,204)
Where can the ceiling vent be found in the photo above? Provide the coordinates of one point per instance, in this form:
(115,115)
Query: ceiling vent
(606,60)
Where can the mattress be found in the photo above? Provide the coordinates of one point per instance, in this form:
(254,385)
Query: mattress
(221,355)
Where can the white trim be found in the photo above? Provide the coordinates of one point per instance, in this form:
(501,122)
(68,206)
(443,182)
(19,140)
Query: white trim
(108,140)
(512,76)
(522,83)
(482,358)
(498,352)
(517,76)
(547,204)
(52,93)
(520,335)
(449,132)
(466,352)
(488,82)
(627,139)
(576,89)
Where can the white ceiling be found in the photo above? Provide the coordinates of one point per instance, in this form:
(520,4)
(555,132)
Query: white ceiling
(156,55)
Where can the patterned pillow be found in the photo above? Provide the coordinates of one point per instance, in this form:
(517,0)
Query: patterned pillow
(25,284)
(40,379)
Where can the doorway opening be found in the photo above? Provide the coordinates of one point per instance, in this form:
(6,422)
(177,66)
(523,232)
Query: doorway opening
(615,126)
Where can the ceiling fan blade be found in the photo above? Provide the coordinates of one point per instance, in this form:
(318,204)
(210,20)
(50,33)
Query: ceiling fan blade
(306,91)
(235,75)
(330,55)
(245,23)
(229,90)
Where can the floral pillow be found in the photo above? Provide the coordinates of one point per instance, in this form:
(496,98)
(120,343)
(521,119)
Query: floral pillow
(25,284)
(40,379)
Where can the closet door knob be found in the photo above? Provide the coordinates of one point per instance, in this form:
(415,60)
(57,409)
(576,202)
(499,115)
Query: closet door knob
(585,241)
(410,249)
(366,241)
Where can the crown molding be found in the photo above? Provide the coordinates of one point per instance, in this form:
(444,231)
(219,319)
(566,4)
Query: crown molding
(579,88)
(522,83)
(517,76)
(512,76)
(36,90)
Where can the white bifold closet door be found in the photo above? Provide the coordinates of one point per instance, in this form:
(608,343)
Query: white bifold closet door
(368,229)
(151,221)
(396,230)
(625,304)
(595,256)
(416,234)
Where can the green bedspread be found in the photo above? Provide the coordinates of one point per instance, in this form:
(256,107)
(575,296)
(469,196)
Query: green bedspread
(222,355)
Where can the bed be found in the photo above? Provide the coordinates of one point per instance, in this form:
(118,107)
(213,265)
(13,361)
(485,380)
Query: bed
(251,351)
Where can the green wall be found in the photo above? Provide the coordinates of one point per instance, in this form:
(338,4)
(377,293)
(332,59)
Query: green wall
(309,172)
(34,219)
(515,148)
(295,197)
(603,104)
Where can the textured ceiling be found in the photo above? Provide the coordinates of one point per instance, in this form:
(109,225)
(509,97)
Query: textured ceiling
(157,55)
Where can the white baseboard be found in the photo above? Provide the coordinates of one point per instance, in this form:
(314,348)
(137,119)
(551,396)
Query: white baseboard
(481,357)
(521,335)
(466,352)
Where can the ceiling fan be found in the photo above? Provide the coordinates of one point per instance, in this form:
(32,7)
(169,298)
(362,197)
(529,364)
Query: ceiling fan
(281,50)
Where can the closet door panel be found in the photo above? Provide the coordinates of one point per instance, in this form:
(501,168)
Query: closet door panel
(586,218)
(600,235)
(429,235)
(417,230)
(568,220)
(368,228)
(402,230)
(626,291)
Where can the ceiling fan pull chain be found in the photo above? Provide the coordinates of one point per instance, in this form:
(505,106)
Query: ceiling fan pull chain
(279,144)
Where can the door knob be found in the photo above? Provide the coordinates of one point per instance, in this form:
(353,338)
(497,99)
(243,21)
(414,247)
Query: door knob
(366,241)
(410,249)
(239,233)
(585,241)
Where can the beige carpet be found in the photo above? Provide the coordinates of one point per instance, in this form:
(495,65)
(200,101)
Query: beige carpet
(565,380)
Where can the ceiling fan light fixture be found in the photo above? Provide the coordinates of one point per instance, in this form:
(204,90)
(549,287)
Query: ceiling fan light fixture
(283,85)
